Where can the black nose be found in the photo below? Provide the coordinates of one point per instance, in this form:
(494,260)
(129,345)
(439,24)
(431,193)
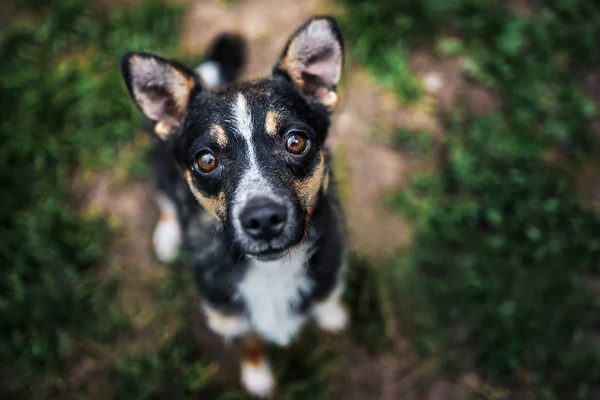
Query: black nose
(263,218)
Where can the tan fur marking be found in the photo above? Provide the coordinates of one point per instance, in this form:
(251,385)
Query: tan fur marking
(163,129)
(218,134)
(218,317)
(309,188)
(326,183)
(329,100)
(182,90)
(252,350)
(293,67)
(214,206)
(271,122)
(164,217)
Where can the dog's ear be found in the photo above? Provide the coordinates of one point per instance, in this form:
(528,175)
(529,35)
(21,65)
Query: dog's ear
(313,59)
(159,87)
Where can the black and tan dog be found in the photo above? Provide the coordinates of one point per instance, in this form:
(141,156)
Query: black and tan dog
(244,182)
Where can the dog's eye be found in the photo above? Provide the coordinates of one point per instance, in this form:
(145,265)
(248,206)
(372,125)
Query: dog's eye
(296,143)
(206,161)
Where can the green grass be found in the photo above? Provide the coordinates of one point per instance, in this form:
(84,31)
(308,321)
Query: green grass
(503,247)
(496,280)
(174,368)
(63,107)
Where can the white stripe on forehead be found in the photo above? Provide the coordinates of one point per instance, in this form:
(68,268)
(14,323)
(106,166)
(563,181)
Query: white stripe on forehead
(253,182)
(243,119)
(244,129)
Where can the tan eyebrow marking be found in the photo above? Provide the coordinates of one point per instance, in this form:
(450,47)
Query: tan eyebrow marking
(218,133)
(271,122)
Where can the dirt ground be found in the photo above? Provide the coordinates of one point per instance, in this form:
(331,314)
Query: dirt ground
(367,169)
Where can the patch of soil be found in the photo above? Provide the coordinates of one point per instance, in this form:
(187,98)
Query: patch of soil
(394,375)
(445,81)
(128,206)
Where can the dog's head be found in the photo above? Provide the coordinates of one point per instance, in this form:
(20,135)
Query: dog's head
(252,153)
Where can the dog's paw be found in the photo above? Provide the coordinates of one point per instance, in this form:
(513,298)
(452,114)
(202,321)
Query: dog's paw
(167,240)
(332,317)
(258,379)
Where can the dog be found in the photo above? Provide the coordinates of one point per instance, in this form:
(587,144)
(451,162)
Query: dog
(244,182)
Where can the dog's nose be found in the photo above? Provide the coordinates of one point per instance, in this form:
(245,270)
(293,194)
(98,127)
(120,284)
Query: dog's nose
(263,218)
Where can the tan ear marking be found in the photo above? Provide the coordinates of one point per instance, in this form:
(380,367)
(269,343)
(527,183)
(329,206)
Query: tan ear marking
(163,129)
(218,134)
(271,122)
(329,100)
(182,89)
(215,206)
(132,61)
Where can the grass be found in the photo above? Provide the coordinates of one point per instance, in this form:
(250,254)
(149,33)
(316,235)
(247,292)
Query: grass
(496,280)
(63,108)
(504,244)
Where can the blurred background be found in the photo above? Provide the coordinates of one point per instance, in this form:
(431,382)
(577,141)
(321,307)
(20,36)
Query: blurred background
(466,153)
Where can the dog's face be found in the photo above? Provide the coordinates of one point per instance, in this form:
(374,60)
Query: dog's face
(252,154)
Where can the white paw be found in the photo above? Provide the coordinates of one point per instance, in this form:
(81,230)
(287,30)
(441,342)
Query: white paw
(258,379)
(332,317)
(167,239)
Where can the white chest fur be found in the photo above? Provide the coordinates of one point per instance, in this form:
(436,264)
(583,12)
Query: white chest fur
(271,290)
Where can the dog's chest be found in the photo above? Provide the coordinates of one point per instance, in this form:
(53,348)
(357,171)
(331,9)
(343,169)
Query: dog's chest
(271,291)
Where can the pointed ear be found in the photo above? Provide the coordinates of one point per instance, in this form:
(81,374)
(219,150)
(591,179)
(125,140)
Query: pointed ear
(313,59)
(159,87)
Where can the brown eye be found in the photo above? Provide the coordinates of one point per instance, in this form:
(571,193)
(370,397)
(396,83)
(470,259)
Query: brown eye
(296,143)
(206,161)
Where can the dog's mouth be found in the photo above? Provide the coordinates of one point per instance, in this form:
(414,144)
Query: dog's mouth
(273,254)
(270,256)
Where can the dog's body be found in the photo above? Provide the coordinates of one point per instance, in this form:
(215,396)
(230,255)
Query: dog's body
(244,182)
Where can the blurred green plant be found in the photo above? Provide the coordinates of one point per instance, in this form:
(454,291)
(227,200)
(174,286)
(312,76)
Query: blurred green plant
(504,250)
(173,369)
(63,105)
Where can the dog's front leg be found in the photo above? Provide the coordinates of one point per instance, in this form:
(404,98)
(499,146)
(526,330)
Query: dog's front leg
(256,375)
